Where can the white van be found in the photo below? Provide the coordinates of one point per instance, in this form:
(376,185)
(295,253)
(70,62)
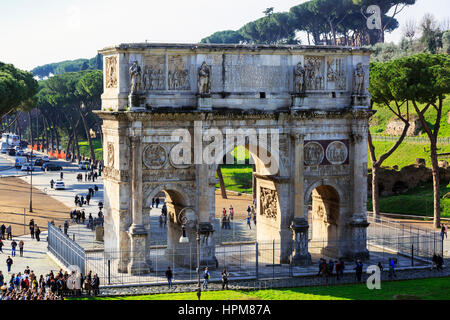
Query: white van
(4,148)
(20,161)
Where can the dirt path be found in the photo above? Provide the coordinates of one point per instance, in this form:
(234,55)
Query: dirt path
(15,196)
(240,204)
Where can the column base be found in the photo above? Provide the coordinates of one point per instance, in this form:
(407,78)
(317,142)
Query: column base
(301,260)
(137,268)
(138,264)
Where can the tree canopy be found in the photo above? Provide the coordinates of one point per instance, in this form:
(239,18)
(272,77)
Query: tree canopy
(17,89)
(324,21)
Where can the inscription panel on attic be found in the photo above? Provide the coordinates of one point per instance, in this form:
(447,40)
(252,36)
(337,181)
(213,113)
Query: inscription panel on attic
(254,73)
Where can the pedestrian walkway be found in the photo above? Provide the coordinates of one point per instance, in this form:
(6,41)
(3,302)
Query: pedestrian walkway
(34,255)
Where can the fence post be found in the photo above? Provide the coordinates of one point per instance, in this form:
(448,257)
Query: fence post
(256,264)
(109,271)
(412,254)
(273,259)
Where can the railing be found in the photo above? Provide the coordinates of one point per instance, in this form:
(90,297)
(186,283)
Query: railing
(440,140)
(65,249)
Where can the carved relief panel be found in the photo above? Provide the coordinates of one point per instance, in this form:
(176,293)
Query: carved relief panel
(178,75)
(336,73)
(111,72)
(268,202)
(314,71)
(154,72)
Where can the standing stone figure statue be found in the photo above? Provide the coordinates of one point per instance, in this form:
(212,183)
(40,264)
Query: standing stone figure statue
(204,83)
(135,77)
(299,78)
(358,80)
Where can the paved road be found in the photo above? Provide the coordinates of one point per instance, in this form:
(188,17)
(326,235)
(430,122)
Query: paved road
(41,180)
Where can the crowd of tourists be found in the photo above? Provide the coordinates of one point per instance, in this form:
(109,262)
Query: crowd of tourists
(53,286)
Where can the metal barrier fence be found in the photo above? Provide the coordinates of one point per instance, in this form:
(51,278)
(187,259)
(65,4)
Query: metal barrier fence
(65,249)
(410,246)
(440,140)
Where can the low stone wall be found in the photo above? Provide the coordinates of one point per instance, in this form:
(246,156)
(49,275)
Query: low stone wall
(299,281)
(392,181)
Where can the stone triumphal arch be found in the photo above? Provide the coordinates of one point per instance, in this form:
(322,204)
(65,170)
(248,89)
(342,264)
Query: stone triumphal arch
(315,98)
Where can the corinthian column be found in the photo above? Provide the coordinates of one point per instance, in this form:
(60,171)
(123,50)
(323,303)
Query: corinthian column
(137,231)
(300,223)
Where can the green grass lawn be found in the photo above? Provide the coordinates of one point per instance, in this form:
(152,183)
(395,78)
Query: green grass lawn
(406,153)
(417,201)
(426,289)
(98,149)
(383,115)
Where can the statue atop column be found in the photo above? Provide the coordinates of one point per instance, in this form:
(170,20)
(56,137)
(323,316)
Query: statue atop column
(204,79)
(135,78)
(358,80)
(299,79)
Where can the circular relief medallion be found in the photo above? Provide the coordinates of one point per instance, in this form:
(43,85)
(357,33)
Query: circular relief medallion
(110,154)
(154,156)
(313,153)
(178,159)
(337,152)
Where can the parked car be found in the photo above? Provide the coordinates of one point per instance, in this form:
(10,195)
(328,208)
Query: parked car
(59,185)
(51,167)
(45,159)
(27,167)
(84,165)
(11,152)
(38,162)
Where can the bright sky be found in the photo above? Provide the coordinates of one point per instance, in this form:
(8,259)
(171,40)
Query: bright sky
(34,33)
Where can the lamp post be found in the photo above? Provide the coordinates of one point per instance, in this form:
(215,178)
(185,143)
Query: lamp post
(31,180)
(184,239)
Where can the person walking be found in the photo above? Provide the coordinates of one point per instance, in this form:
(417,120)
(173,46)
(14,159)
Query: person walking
(330,267)
(440,262)
(161,221)
(206,277)
(358,270)
(225,276)
(9,263)
(380,266)
(157,202)
(61,175)
(96,284)
(231,212)
(37,232)
(1,246)
(21,248)
(66,227)
(31,226)
(169,276)
(249,210)
(443,232)
(88,198)
(153,202)
(249,222)
(13,248)
(52,183)
(392,268)
(9,233)
(3,230)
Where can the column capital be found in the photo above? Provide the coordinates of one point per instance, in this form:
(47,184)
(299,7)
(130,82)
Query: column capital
(297,136)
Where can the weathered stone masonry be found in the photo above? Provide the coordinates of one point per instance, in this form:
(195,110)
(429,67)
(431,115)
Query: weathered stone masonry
(317,99)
